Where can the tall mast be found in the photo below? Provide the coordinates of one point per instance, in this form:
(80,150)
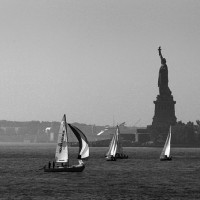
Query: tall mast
(67,138)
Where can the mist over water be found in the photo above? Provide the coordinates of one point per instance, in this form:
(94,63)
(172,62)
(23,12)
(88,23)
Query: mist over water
(142,176)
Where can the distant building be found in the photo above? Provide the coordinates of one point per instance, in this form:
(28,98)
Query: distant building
(142,135)
(132,134)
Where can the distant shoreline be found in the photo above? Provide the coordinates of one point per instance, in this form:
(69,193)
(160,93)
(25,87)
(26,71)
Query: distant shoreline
(54,144)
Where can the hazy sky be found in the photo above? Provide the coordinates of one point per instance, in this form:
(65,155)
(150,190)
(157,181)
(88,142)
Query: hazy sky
(97,60)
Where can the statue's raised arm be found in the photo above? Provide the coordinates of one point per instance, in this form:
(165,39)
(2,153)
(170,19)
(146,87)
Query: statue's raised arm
(163,60)
(160,54)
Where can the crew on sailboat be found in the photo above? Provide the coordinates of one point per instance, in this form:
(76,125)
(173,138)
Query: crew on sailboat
(168,158)
(110,158)
(80,163)
(121,156)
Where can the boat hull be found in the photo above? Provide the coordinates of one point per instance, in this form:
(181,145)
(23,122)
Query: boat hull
(166,159)
(110,159)
(121,156)
(66,169)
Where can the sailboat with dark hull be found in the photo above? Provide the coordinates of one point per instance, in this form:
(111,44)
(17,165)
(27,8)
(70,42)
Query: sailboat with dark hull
(61,163)
(115,150)
(165,154)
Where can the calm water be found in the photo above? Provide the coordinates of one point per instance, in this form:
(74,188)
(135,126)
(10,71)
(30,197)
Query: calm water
(142,176)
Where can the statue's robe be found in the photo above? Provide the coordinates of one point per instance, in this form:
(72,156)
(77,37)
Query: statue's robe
(163,80)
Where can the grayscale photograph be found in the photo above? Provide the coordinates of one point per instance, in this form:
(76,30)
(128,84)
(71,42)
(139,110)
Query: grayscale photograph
(100,99)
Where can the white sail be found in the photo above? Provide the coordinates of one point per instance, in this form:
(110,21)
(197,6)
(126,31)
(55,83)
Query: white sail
(62,146)
(114,147)
(85,149)
(119,144)
(166,149)
(113,144)
(110,146)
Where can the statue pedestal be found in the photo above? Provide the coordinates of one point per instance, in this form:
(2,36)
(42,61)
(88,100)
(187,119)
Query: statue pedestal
(164,115)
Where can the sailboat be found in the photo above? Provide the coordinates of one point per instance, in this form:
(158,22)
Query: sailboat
(61,163)
(115,148)
(165,154)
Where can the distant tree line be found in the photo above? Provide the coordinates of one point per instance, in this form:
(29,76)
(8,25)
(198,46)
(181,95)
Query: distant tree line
(186,134)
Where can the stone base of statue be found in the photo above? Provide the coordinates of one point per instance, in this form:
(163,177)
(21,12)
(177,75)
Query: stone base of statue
(164,115)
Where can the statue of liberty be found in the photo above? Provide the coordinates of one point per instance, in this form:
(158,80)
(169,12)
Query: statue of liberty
(163,76)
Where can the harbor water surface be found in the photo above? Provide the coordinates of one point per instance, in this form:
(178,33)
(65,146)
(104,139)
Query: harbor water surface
(142,176)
